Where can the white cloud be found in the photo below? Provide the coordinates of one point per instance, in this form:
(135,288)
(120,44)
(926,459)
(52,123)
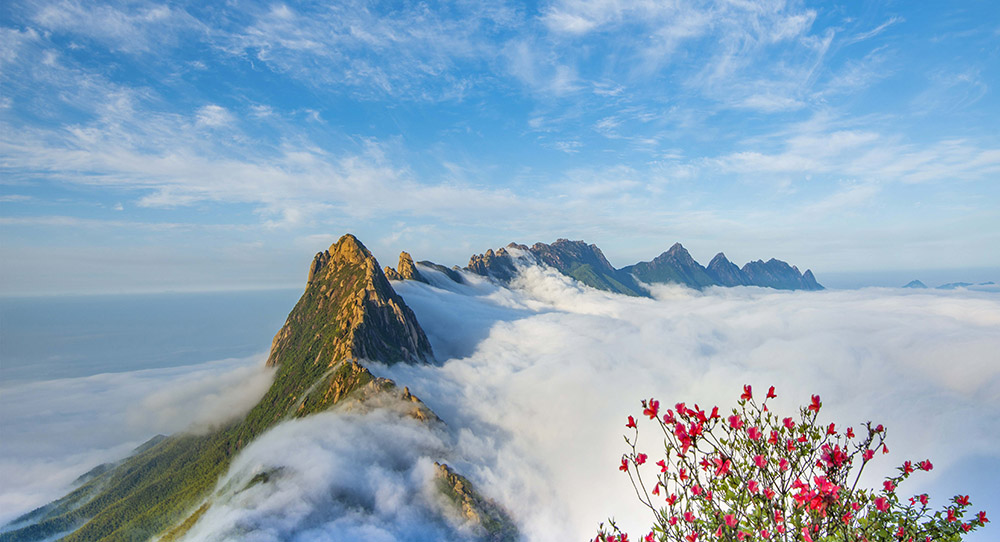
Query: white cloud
(540,380)
(56,430)
(213,116)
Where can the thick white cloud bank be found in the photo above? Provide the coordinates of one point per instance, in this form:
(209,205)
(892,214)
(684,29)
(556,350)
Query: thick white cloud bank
(537,382)
(53,431)
(534,384)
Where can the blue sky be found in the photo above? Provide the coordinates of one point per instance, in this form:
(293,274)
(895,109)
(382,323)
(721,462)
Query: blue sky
(148,146)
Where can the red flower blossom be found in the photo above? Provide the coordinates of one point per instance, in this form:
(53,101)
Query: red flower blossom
(951,515)
(692,536)
(730,520)
(754,433)
(832,429)
(789,424)
(759,461)
(982,517)
(889,486)
(816,404)
(689,517)
(907,467)
(631,423)
(649,537)
(783,464)
(747,393)
(735,422)
(769,493)
(882,504)
(652,410)
(773,439)
(962,500)
(850,432)
(640,459)
(752,486)
(771,394)
(624,467)
(721,466)
(868,454)
(926,464)
(663,465)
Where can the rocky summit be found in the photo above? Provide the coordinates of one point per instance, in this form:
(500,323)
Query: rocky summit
(347,316)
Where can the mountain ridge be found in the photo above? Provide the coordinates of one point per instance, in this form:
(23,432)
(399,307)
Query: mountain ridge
(587,264)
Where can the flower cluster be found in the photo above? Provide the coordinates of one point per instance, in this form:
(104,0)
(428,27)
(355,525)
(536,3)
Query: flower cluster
(755,476)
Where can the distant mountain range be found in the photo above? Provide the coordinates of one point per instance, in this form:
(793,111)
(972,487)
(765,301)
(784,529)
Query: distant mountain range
(587,264)
(948,286)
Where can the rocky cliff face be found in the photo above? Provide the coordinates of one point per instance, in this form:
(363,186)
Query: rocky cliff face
(407,270)
(349,310)
(497,265)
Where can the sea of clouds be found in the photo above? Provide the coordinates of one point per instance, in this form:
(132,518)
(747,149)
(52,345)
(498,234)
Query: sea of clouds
(534,383)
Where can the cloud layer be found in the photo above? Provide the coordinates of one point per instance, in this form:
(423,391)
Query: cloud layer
(534,384)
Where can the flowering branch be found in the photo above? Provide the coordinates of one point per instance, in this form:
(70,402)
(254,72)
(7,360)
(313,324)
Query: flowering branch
(755,476)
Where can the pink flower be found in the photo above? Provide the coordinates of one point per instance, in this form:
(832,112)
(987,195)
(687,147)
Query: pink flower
(721,466)
(832,429)
(882,504)
(771,394)
(735,422)
(789,424)
(754,433)
(868,454)
(783,464)
(816,404)
(769,493)
(889,486)
(631,423)
(962,500)
(752,486)
(689,517)
(764,533)
(650,537)
(730,520)
(982,517)
(926,464)
(640,459)
(747,393)
(907,467)
(759,461)
(653,409)
(850,432)
(624,467)
(951,515)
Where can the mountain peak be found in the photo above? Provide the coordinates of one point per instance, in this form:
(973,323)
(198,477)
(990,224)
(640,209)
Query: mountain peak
(349,310)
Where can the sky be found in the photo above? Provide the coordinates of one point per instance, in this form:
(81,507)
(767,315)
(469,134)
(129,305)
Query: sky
(182,146)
